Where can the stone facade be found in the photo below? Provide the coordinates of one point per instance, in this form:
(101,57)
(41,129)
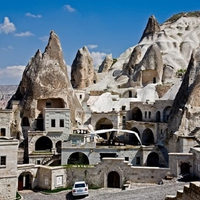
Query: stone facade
(8,168)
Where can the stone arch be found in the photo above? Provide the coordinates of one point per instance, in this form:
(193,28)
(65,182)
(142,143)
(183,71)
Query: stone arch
(158,116)
(153,159)
(132,138)
(136,114)
(43,144)
(78,158)
(147,137)
(25,181)
(113,179)
(166,113)
(58,146)
(104,123)
(25,121)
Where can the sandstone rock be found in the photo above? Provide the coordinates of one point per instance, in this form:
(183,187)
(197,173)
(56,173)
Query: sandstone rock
(106,64)
(46,77)
(82,71)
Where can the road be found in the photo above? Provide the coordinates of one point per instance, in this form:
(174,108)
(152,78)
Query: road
(150,192)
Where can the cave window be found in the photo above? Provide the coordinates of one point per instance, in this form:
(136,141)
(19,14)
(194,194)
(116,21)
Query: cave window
(53,123)
(130,93)
(80,96)
(154,79)
(94,81)
(145,113)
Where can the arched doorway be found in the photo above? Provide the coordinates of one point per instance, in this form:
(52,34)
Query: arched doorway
(104,123)
(147,137)
(136,114)
(153,160)
(132,137)
(58,146)
(113,180)
(78,158)
(43,144)
(25,181)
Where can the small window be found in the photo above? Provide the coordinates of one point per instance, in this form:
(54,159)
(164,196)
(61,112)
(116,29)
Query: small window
(48,104)
(3,160)
(154,79)
(53,123)
(124,119)
(38,162)
(145,113)
(123,107)
(130,93)
(3,132)
(61,122)
(80,96)
(149,114)
(137,160)
(126,158)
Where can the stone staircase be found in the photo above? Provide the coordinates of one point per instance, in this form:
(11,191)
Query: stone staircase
(189,192)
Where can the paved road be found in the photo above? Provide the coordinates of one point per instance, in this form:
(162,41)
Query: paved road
(150,192)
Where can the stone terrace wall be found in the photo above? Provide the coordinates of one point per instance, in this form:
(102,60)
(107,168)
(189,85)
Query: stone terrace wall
(191,192)
(97,175)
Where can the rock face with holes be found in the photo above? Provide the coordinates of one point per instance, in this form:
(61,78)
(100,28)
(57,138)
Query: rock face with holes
(82,71)
(184,119)
(45,77)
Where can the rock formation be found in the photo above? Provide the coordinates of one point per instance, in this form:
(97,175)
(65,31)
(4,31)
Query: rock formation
(184,118)
(82,70)
(46,77)
(106,64)
(151,28)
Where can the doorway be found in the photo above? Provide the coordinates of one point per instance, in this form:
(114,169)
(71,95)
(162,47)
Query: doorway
(113,180)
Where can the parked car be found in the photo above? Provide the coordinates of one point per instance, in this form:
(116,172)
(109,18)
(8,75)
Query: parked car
(80,188)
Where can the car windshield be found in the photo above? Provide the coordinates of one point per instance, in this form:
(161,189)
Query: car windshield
(79,185)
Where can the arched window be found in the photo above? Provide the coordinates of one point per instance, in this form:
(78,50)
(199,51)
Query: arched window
(153,160)
(136,114)
(43,144)
(147,137)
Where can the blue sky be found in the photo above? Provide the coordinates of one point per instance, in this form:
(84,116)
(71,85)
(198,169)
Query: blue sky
(104,26)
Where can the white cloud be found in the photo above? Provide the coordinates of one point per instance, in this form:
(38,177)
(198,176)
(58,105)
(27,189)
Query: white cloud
(98,57)
(44,38)
(33,16)
(11,75)
(92,46)
(24,34)
(7,26)
(7,48)
(69,8)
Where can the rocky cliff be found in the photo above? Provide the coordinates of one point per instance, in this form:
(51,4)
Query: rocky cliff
(46,77)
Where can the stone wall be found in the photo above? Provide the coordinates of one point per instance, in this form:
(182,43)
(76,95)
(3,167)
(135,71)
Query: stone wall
(8,172)
(191,192)
(97,175)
